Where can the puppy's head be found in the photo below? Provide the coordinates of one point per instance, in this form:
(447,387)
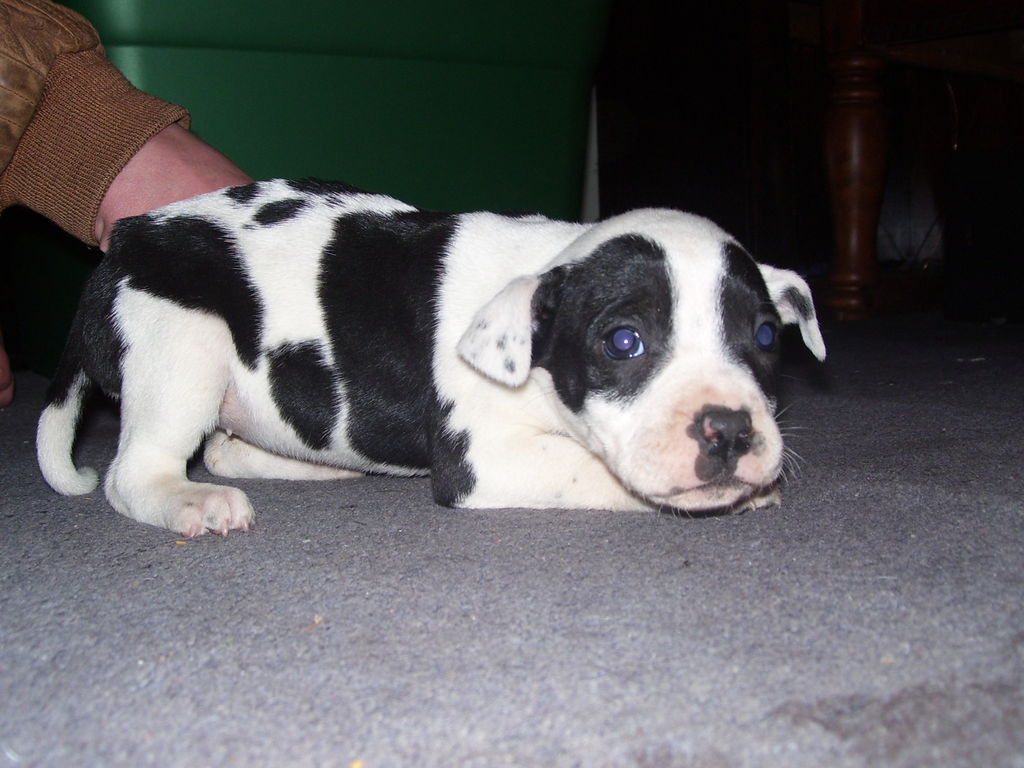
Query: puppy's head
(660,337)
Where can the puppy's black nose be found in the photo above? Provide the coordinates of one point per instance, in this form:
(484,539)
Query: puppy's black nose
(723,433)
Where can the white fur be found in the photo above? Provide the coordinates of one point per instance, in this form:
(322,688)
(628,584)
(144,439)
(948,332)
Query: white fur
(498,340)
(55,436)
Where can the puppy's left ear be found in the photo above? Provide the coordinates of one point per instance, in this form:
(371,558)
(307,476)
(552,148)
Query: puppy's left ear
(792,299)
(498,342)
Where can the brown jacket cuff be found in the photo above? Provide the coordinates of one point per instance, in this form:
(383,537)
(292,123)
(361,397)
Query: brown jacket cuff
(89,123)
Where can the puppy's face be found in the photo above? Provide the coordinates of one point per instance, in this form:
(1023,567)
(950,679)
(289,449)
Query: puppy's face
(660,336)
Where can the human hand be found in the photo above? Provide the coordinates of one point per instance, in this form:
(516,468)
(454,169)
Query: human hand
(6,378)
(173,165)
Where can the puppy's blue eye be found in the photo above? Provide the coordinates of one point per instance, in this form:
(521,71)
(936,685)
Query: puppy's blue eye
(765,336)
(623,343)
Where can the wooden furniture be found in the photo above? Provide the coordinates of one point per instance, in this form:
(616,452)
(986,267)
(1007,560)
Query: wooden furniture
(980,36)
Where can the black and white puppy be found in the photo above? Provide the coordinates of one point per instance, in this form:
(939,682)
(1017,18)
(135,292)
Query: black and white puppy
(320,332)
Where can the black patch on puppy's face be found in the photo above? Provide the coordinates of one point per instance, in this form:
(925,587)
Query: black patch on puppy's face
(623,284)
(746,305)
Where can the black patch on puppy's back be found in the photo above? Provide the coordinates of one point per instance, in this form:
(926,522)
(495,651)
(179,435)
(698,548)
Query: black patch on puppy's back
(195,263)
(279,210)
(302,386)
(243,194)
(379,276)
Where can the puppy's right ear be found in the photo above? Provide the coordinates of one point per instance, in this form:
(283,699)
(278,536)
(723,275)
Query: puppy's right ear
(498,342)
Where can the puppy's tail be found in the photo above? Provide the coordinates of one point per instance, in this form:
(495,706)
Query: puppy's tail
(55,435)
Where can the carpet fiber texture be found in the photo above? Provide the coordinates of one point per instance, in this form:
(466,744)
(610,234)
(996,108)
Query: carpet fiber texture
(875,619)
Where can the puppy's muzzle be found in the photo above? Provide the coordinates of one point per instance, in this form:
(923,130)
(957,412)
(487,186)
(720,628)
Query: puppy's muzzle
(723,435)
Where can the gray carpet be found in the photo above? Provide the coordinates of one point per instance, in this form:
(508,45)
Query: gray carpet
(876,619)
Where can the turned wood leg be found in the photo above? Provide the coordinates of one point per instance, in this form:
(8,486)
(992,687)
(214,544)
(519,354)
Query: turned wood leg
(855,149)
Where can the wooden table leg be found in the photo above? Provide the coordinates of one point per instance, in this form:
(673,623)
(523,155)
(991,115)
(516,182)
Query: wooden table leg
(855,161)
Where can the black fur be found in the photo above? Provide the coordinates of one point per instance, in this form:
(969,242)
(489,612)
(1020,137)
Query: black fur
(383,348)
(323,188)
(799,302)
(93,344)
(304,392)
(451,477)
(244,194)
(207,274)
(623,283)
(745,304)
(279,210)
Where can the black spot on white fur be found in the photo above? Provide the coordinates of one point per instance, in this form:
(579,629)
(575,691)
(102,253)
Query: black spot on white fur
(279,210)
(243,194)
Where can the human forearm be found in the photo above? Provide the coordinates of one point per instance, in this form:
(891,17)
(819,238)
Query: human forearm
(87,126)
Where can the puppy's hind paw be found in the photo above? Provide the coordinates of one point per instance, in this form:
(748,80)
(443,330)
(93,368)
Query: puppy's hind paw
(227,456)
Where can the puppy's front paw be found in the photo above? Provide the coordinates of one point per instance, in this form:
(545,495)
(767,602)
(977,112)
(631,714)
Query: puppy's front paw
(214,508)
(770,496)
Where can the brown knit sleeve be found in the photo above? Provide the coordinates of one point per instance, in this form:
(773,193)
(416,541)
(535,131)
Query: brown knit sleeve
(88,124)
(32,34)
